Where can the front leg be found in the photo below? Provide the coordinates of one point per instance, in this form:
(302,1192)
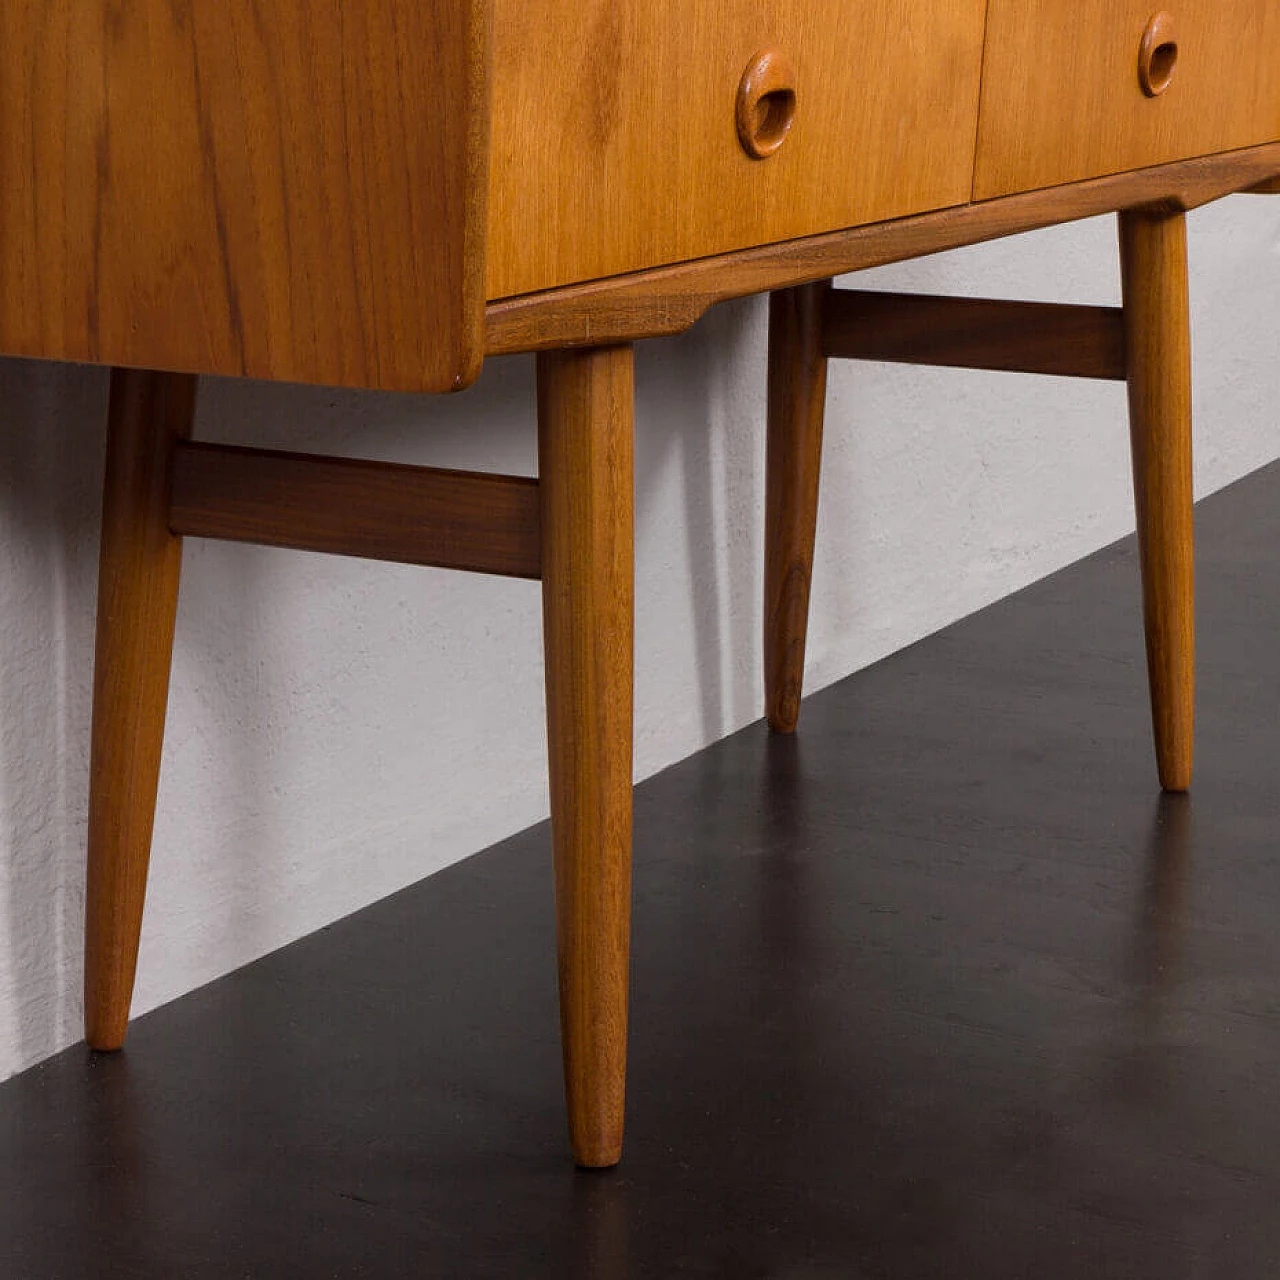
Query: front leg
(586,451)
(1153,258)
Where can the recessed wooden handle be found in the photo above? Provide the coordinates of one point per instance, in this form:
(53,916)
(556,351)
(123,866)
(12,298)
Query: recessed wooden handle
(766,103)
(1158,57)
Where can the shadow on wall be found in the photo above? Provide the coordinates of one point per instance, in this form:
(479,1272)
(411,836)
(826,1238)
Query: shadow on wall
(278,654)
(700,427)
(280,651)
(50,475)
(712,435)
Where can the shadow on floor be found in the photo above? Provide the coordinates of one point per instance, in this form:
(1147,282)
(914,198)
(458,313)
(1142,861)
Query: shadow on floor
(940,987)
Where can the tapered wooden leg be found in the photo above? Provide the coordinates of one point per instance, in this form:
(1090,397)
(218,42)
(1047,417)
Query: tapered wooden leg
(585,450)
(1153,256)
(137,603)
(796,401)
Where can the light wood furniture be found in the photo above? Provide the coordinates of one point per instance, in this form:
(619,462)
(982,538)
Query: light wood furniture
(378,193)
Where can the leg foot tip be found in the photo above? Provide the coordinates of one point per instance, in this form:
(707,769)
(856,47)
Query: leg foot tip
(596,1148)
(1175,776)
(783,721)
(605,1158)
(105,1039)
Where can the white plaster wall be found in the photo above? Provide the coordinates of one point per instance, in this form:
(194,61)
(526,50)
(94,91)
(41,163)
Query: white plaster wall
(338,729)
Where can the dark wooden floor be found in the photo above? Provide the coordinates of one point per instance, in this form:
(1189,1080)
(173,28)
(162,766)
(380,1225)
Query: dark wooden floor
(940,988)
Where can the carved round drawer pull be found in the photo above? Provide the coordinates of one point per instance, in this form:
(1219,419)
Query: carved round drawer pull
(766,103)
(1158,58)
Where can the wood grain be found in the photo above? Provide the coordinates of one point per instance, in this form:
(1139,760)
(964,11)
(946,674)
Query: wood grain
(671,299)
(344,506)
(797,397)
(138,576)
(586,464)
(294,191)
(1153,255)
(976,333)
(1062,98)
(615,140)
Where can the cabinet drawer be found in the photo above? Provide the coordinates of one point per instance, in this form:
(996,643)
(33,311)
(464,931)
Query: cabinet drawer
(1063,98)
(615,140)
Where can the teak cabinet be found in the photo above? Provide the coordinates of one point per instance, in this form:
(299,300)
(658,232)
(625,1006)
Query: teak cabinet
(380,193)
(298,191)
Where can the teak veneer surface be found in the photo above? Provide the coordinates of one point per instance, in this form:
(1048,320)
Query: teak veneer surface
(293,190)
(672,298)
(1062,99)
(302,190)
(615,146)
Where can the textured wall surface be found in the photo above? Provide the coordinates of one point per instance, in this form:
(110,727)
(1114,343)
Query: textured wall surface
(338,730)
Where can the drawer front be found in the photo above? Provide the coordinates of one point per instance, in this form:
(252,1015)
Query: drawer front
(616,143)
(292,190)
(1063,96)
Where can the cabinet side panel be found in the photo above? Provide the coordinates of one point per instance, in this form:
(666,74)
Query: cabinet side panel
(292,191)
